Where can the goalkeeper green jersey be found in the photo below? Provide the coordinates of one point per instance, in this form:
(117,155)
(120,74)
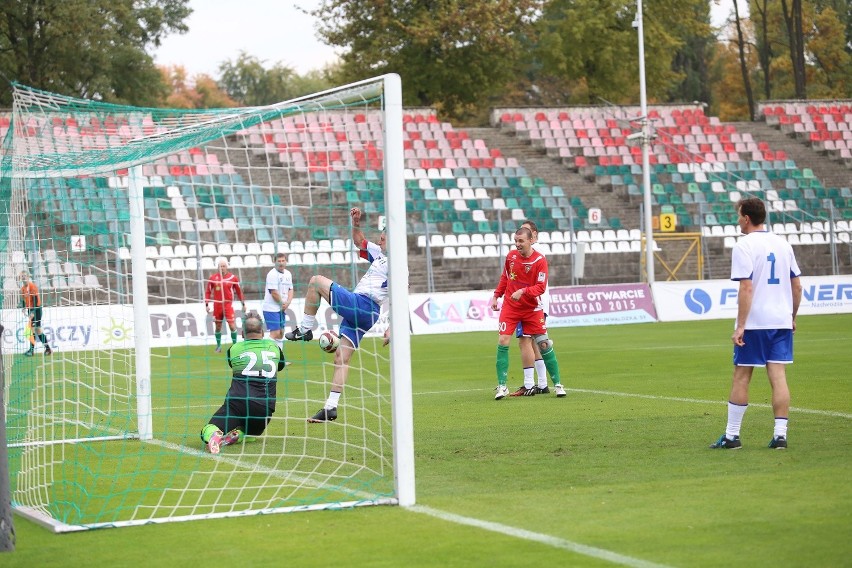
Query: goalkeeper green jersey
(256,362)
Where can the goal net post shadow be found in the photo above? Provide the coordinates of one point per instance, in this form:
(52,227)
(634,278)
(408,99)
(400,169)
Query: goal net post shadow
(119,216)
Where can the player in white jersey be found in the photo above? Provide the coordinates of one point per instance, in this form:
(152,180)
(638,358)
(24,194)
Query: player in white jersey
(531,357)
(277,298)
(769,295)
(359,310)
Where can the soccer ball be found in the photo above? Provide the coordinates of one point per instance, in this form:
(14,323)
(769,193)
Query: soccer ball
(329,341)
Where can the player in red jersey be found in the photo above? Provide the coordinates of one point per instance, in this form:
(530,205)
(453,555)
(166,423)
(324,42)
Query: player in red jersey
(523,280)
(219,298)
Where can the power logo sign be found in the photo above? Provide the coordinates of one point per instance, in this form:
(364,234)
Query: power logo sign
(697,301)
(717,299)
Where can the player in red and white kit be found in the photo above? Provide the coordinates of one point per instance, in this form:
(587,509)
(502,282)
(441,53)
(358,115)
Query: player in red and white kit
(523,280)
(219,300)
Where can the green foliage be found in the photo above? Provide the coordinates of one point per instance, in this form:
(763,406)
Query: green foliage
(250,83)
(621,464)
(828,65)
(451,54)
(88,48)
(832,73)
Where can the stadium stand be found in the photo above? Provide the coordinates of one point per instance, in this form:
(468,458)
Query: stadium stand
(466,189)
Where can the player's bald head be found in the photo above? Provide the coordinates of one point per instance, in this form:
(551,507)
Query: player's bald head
(253,325)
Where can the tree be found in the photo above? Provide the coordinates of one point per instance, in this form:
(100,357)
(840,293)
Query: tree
(744,67)
(592,44)
(88,48)
(796,42)
(730,101)
(451,54)
(248,82)
(200,92)
(692,60)
(764,45)
(832,73)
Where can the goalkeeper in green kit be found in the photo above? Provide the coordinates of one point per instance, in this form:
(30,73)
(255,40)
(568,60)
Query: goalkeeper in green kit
(250,401)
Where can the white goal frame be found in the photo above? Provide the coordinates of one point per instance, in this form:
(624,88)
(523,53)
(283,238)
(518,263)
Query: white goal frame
(400,347)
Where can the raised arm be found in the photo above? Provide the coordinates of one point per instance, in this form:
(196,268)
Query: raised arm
(358,236)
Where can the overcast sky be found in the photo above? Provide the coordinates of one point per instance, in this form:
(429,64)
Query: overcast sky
(273,31)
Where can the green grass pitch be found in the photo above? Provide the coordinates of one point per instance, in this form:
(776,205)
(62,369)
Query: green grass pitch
(617,473)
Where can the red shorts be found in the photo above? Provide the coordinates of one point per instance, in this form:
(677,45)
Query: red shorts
(532,321)
(223,311)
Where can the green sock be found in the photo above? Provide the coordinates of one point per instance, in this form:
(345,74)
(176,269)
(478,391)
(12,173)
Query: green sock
(502,364)
(234,336)
(43,338)
(208,431)
(552,365)
(218,336)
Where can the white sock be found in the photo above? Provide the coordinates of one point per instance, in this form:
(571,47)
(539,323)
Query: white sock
(541,372)
(333,400)
(308,322)
(735,419)
(780,427)
(279,343)
(529,378)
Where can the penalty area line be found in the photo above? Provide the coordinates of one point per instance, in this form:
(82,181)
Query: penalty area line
(585,550)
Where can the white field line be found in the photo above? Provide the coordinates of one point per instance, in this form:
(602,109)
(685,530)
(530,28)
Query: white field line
(591,551)
(831,413)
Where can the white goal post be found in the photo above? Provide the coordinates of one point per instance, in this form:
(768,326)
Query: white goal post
(118,215)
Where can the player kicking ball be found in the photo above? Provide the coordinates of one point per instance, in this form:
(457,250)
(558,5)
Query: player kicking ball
(359,309)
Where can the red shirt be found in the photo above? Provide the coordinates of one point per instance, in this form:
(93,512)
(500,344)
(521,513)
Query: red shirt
(221,288)
(519,272)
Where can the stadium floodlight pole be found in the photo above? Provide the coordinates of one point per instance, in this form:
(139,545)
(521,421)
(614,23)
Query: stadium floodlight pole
(141,320)
(400,345)
(646,148)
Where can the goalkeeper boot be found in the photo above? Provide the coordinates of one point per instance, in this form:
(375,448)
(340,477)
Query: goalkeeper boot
(559,390)
(48,350)
(324,415)
(215,442)
(524,391)
(29,353)
(778,443)
(299,335)
(502,391)
(231,437)
(726,443)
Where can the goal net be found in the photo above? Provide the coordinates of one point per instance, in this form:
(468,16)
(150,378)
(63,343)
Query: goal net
(119,216)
